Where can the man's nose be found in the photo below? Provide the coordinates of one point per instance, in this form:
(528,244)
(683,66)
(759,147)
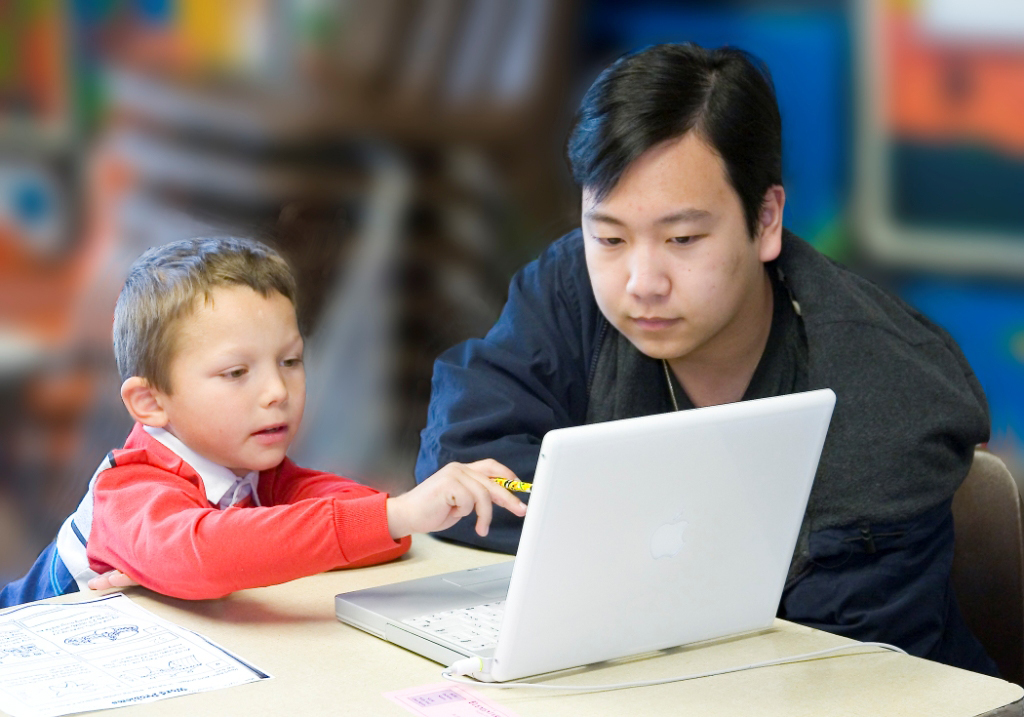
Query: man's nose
(647,276)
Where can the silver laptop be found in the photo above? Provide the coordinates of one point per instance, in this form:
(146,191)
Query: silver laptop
(642,534)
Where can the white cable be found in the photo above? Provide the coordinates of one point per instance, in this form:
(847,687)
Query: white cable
(448,675)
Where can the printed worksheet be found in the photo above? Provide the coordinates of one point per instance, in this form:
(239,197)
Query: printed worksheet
(61,659)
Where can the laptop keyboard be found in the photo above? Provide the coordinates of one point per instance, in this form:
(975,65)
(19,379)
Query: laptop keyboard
(472,628)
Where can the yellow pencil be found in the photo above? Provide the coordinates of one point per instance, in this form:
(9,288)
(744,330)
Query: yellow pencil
(516,486)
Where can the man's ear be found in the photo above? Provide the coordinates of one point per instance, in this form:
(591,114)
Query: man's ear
(143,402)
(769,224)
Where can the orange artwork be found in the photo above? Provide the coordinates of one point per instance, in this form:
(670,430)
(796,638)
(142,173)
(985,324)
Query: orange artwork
(943,92)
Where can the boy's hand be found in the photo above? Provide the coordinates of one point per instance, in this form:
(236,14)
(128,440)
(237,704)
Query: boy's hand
(453,492)
(113,579)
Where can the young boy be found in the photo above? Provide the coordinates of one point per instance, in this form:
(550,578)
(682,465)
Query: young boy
(202,500)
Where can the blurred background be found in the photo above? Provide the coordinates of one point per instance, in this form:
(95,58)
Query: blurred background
(406,157)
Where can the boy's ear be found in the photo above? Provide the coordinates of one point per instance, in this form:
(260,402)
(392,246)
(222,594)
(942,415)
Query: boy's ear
(143,402)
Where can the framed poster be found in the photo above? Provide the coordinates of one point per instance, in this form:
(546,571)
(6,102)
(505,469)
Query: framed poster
(940,141)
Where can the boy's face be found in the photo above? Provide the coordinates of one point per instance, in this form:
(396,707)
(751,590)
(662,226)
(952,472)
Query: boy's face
(670,258)
(238,385)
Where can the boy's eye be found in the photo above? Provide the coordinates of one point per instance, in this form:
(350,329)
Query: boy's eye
(684,240)
(609,241)
(292,362)
(235,373)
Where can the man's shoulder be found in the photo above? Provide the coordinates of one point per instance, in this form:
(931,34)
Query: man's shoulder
(569,244)
(832,295)
(553,291)
(564,257)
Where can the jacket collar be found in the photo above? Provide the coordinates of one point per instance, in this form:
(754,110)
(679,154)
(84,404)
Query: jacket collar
(218,481)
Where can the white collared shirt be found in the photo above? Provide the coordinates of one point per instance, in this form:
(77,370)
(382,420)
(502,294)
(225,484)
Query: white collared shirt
(223,487)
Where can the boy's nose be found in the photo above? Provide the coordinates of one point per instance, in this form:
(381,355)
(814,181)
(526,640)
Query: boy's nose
(275,390)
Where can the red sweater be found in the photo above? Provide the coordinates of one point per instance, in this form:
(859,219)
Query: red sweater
(152,521)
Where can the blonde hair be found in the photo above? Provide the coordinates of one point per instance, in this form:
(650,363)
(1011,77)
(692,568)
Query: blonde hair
(165,285)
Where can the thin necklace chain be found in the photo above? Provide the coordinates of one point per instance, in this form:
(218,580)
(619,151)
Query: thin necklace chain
(664,363)
(668,380)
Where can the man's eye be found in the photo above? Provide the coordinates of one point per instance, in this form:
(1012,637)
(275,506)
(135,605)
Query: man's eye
(684,240)
(609,241)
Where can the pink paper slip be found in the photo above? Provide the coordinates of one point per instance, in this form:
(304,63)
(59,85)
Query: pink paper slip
(447,699)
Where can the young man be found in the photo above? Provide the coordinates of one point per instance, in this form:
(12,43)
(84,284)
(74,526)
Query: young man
(682,289)
(202,500)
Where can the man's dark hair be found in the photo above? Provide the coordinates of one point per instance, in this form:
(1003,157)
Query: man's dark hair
(662,92)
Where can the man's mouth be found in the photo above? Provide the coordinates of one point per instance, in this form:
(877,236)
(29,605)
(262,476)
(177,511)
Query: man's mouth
(653,322)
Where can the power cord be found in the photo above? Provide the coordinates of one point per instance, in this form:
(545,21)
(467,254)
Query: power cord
(479,665)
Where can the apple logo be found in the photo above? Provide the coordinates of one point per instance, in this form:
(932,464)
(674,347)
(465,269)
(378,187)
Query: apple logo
(668,538)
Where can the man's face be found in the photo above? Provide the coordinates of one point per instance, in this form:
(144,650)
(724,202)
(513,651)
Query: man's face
(238,386)
(671,262)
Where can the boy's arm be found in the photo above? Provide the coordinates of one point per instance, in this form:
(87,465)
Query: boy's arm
(289,483)
(435,504)
(158,528)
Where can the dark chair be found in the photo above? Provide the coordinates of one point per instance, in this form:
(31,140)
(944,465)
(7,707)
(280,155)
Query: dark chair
(988,564)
